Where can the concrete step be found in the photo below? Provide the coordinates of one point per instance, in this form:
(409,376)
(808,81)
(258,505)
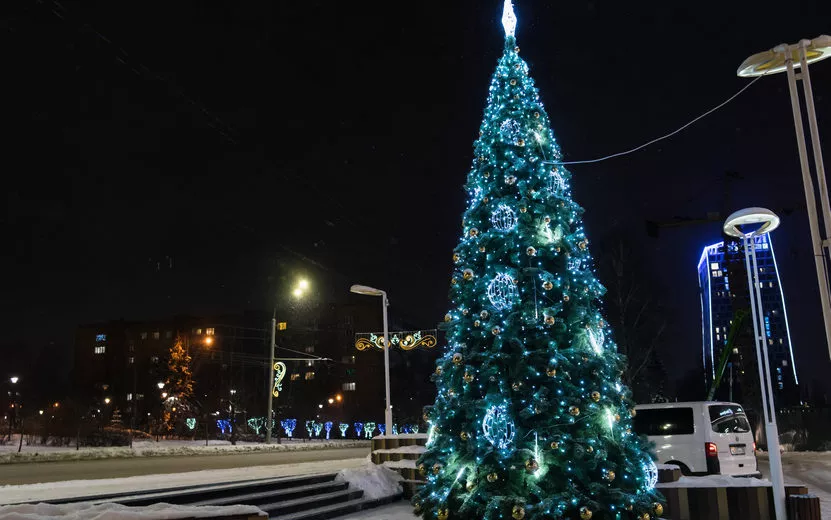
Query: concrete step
(274,496)
(335,510)
(288,507)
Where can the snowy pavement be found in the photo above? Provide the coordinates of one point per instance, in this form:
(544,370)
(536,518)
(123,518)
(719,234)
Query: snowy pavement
(77,488)
(165,448)
(397,511)
(807,468)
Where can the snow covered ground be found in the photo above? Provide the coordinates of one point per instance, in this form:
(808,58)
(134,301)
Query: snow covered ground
(807,468)
(397,511)
(77,488)
(8,452)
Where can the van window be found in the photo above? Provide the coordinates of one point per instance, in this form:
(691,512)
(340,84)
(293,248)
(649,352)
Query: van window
(664,421)
(728,418)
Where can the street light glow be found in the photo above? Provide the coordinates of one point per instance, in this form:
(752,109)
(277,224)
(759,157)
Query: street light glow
(320,406)
(209,341)
(331,401)
(298,292)
(14,379)
(303,284)
(338,398)
(106,401)
(160,385)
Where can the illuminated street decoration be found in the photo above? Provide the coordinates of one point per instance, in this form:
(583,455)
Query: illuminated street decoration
(190,422)
(407,340)
(279,374)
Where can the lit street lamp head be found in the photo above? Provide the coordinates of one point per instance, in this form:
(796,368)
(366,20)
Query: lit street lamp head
(365,290)
(160,385)
(14,379)
(774,60)
(303,284)
(767,220)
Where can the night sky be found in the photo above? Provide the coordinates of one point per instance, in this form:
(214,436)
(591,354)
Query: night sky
(169,157)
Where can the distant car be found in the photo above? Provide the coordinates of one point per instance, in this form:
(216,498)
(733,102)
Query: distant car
(702,438)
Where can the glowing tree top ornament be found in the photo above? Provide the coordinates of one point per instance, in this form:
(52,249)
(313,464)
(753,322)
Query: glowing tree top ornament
(531,420)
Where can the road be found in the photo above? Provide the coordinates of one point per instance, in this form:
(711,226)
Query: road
(36,472)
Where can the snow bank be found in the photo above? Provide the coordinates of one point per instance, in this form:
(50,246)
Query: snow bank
(8,454)
(375,481)
(403,449)
(82,488)
(109,511)
(720,481)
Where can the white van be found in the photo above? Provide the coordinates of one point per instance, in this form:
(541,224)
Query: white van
(702,438)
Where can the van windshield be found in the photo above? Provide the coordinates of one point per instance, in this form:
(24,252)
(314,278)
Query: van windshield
(664,421)
(728,418)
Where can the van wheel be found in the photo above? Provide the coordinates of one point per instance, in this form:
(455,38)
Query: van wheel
(683,467)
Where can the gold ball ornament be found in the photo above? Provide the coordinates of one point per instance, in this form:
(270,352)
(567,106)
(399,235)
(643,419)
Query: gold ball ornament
(658,509)
(555,445)
(633,412)
(464,436)
(566,298)
(582,244)
(531,251)
(547,286)
(518,513)
(496,331)
(629,507)
(645,516)
(467,274)
(516,385)
(447,317)
(513,82)
(510,180)
(443,513)
(476,323)
(465,312)
(521,142)
(589,449)
(573,410)
(422,470)
(457,358)
(436,468)
(492,477)
(470,485)
(456,257)
(596,396)
(484,315)
(482,249)
(426,417)
(523,209)
(609,475)
(468,377)
(585,513)
(473,232)
(549,320)
(453,281)
(531,465)
(537,115)
(617,417)
(451,392)
(547,220)
(486,200)
(516,49)
(551,372)
(486,174)
(438,371)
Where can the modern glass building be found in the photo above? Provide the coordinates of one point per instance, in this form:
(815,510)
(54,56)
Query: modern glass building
(718,304)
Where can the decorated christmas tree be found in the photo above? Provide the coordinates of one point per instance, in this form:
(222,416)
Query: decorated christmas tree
(179,385)
(531,419)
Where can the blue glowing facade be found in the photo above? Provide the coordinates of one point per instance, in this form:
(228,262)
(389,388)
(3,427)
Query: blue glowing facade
(717,304)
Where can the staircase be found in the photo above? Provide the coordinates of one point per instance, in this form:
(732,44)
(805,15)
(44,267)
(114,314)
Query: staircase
(309,497)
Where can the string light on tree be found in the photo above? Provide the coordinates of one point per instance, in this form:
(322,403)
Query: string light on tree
(531,417)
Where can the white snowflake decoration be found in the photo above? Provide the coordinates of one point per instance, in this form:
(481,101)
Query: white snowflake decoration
(498,427)
(510,131)
(651,472)
(596,338)
(575,264)
(509,19)
(502,292)
(556,183)
(503,218)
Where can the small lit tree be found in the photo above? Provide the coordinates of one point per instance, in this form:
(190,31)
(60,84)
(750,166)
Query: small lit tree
(179,385)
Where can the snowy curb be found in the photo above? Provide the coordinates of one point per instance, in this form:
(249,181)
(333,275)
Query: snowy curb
(159,450)
(375,481)
(111,511)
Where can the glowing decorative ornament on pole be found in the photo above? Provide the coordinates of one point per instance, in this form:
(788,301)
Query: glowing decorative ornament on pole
(509,19)
(498,427)
(191,423)
(503,218)
(651,472)
(279,374)
(502,292)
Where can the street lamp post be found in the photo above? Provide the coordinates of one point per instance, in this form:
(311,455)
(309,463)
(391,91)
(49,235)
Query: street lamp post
(784,58)
(370,291)
(298,292)
(767,221)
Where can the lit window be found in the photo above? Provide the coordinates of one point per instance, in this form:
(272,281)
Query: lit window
(143,335)
(717,329)
(784,362)
(100,337)
(718,336)
(310,376)
(310,349)
(714,266)
(770,284)
(199,331)
(209,331)
(129,397)
(295,377)
(131,360)
(781,341)
(156,335)
(770,342)
(100,349)
(348,360)
(348,387)
(781,386)
(139,397)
